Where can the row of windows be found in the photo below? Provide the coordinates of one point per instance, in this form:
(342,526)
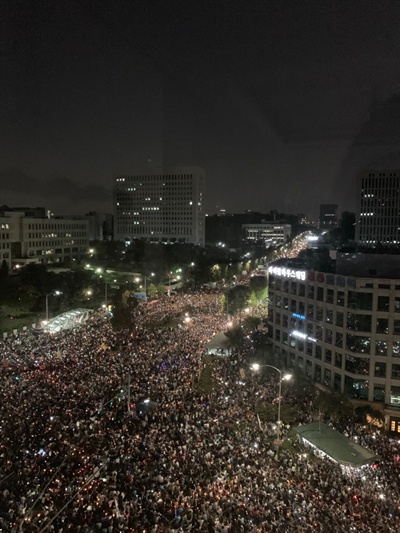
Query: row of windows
(362,301)
(350,321)
(58,235)
(40,244)
(157,178)
(57,227)
(56,251)
(351,364)
(128,230)
(360,344)
(354,386)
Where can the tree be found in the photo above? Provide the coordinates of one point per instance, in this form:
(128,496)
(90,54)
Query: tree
(235,336)
(251,323)
(253,300)
(123,308)
(259,284)
(152,291)
(237,299)
(161,290)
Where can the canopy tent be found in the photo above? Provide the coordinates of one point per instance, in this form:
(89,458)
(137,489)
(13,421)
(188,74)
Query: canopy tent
(68,320)
(335,445)
(220,344)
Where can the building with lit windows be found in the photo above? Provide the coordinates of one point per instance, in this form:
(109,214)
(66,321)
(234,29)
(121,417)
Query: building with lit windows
(160,205)
(328,216)
(5,242)
(378,220)
(31,239)
(340,331)
(269,233)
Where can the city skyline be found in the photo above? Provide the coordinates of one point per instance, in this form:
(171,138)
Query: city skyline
(281,104)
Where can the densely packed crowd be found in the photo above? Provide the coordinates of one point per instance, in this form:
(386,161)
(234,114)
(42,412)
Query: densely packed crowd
(106,431)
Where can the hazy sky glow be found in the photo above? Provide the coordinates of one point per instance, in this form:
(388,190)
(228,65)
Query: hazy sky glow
(281,102)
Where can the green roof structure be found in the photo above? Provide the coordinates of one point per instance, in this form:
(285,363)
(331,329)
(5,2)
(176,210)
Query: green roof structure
(335,445)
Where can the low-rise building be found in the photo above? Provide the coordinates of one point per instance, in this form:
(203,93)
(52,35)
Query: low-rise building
(267,233)
(31,239)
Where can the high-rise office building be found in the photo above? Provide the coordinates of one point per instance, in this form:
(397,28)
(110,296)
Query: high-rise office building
(160,205)
(378,220)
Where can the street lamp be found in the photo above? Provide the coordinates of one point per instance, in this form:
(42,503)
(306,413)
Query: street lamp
(55,293)
(99,271)
(145,280)
(282,377)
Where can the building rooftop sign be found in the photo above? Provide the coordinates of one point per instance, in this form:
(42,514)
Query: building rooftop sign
(287,272)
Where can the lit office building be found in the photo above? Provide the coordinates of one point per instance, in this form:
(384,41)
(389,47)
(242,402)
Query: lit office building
(33,239)
(165,205)
(269,233)
(378,220)
(340,331)
(328,216)
(5,242)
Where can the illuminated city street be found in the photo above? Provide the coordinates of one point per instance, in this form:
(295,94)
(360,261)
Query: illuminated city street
(75,458)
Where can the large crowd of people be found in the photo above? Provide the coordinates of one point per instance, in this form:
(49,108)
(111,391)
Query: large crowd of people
(104,431)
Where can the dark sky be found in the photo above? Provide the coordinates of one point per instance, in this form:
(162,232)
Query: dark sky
(281,102)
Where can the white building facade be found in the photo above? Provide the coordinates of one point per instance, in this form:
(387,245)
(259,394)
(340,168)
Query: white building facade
(270,233)
(5,241)
(41,240)
(341,331)
(378,220)
(160,205)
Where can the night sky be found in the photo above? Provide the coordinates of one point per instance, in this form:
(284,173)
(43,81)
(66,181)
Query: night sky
(282,102)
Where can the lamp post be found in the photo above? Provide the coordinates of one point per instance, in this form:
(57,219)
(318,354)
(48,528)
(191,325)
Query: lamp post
(284,377)
(145,281)
(55,293)
(99,271)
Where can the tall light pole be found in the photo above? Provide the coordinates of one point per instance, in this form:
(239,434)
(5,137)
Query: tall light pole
(99,271)
(55,293)
(284,377)
(145,281)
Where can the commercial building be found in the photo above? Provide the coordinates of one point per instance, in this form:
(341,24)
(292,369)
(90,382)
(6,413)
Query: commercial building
(328,216)
(378,220)
(5,241)
(100,225)
(32,239)
(160,205)
(340,331)
(267,233)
